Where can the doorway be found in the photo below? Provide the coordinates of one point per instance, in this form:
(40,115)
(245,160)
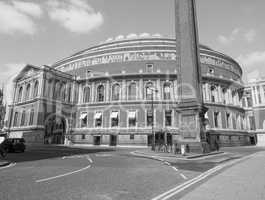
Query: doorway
(55,128)
(113,140)
(97,140)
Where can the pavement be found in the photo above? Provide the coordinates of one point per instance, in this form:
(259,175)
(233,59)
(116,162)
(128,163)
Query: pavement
(242,181)
(187,156)
(4,163)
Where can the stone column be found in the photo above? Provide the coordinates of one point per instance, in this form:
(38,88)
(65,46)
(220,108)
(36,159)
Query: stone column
(207,95)
(256,93)
(262,94)
(93,92)
(108,90)
(81,93)
(253,95)
(42,86)
(123,90)
(141,89)
(159,94)
(220,99)
(175,86)
(52,89)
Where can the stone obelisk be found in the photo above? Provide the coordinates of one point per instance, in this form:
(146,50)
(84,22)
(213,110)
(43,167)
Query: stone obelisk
(191,109)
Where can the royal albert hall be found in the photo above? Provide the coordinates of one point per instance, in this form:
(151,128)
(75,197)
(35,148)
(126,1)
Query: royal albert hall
(124,92)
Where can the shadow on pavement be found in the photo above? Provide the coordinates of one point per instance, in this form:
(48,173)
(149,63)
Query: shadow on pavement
(49,152)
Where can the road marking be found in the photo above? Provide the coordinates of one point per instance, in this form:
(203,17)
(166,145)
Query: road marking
(183,176)
(79,156)
(89,159)
(167,163)
(8,166)
(172,192)
(62,175)
(103,155)
(175,169)
(165,195)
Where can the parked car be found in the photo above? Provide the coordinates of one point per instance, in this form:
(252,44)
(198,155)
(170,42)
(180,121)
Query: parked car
(14,144)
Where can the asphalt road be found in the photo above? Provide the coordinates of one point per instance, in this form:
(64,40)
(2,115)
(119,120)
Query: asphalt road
(93,174)
(72,173)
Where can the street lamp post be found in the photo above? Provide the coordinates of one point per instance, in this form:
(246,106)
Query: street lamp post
(152,108)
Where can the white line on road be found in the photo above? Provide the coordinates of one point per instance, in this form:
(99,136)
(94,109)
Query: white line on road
(89,159)
(172,192)
(183,176)
(167,163)
(62,175)
(175,169)
(10,165)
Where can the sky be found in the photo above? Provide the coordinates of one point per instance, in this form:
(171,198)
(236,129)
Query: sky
(42,32)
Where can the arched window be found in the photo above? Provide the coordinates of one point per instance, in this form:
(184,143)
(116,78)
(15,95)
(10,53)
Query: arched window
(86,95)
(20,91)
(15,123)
(23,118)
(132,91)
(48,88)
(116,92)
(100,93)
(27,94)
(36,89)
(149,91)
(31,117)
(167,91)
(62,92)
(69,93)
(57,91)
(213,93)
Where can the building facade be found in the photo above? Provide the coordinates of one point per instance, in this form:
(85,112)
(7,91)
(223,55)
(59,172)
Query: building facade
(2,109)
(254,103)
(125,92)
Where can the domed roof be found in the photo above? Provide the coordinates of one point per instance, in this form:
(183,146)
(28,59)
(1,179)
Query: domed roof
(143,42)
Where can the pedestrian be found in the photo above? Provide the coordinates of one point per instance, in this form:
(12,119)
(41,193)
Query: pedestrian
(216,145)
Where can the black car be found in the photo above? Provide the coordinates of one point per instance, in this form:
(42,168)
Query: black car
(14,144)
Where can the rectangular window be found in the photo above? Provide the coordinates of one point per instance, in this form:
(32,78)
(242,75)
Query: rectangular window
(132,137)
(83,118)
(249,102)
(31,117)
(228,125)
(83,136)
(149,118)
(98,119)
(168,118)
(114,118)
(132,118)
(216,120)
(15,123)
(149,68)
(259,95)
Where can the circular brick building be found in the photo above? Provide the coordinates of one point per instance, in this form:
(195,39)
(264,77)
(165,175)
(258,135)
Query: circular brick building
(124,92)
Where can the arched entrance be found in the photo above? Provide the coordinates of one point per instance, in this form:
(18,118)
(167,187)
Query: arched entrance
(55,128)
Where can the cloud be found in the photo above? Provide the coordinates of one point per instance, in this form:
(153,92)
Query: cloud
(18,17)
(253,59)
(253,63)
(237,34)
(225,40)
(250,35)
(75,15)
(8,73)
(28,8)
